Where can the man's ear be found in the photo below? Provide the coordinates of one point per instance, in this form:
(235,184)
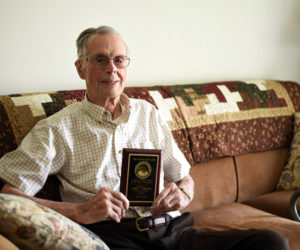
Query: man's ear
(80,68)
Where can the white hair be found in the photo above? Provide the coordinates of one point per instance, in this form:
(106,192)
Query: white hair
(81,41)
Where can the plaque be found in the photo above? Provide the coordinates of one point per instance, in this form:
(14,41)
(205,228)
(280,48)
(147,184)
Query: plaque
(140,175)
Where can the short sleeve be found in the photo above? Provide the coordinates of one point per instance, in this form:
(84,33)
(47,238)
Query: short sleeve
(40,154)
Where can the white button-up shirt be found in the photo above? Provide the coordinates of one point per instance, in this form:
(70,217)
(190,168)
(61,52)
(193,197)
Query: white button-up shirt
(83,146)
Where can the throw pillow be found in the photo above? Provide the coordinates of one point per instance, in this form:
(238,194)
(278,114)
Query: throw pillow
(290,176)
(33,226)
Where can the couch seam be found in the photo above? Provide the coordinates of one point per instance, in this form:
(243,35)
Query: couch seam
(237,179)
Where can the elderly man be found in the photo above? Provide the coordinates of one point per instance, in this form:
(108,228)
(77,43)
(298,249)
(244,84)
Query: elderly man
(82,145)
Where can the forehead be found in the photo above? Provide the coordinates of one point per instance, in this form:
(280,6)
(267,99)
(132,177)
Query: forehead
(106,44)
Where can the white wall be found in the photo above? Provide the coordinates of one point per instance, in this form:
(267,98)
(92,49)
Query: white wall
(170,41)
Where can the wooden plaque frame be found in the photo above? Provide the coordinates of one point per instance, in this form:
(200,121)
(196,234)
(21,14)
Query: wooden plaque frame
(140,175)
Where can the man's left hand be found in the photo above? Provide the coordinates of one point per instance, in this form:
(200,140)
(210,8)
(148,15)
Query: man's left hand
(171,198)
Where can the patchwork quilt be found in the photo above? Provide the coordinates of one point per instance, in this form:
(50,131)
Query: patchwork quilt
(208,120)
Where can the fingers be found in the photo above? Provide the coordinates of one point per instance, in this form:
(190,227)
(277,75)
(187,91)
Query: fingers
(116,213)
(119,199)
(119,207)
(110,203)
(118,204)
(170,199)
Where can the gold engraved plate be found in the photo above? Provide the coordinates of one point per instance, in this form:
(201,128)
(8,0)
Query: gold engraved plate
(143,170)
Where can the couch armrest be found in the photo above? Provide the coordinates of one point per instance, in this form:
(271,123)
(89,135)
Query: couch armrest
(6,244)
(293,205)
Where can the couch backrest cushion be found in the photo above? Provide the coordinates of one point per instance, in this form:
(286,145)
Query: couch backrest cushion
(258,173)
(215,184)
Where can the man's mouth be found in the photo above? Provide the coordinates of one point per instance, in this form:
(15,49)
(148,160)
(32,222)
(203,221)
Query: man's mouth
(110,81)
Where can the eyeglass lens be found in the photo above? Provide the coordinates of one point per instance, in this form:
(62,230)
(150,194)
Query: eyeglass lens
(102,61)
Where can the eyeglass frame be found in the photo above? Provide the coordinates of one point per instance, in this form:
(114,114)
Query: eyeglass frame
(108,58)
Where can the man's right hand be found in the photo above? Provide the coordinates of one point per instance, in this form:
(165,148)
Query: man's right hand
(106,203)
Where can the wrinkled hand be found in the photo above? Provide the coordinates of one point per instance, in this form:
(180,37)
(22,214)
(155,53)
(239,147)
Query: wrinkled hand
(106,203)
(170,199)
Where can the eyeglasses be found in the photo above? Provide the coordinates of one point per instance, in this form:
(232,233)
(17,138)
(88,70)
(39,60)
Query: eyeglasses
(101,61)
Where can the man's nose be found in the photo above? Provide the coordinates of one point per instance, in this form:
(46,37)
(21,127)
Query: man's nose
(111,67)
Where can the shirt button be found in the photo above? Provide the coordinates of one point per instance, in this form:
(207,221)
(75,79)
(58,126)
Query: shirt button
(120,151)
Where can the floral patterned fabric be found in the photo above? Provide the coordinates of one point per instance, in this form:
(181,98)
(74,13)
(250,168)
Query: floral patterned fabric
(33,226)
(290,176)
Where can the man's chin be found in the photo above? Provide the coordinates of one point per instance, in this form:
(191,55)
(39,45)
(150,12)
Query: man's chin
(112,91)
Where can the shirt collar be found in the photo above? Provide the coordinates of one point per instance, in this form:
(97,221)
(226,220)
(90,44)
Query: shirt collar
(100,114)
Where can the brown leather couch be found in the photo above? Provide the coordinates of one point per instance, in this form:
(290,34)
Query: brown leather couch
(228,195)
(235,185)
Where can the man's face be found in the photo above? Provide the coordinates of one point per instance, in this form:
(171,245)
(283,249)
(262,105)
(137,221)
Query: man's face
(108,82)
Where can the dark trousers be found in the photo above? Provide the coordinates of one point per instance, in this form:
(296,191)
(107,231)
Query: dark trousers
(179,234)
